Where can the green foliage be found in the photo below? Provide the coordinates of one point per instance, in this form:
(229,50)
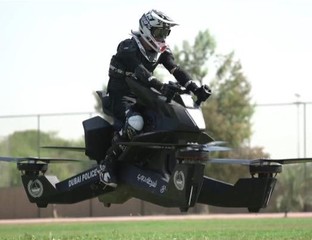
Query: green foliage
(292,186)
(229,111)
(27,144)
(193,58)
(291,199)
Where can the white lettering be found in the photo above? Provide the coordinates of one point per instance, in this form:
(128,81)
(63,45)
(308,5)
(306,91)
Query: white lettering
(147,180)
(89,175)
(81,178)
(74,181)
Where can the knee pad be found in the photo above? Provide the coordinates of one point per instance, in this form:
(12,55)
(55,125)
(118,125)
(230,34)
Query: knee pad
(134,125)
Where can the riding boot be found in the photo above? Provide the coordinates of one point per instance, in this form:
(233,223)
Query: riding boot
(134,124)
(107,167)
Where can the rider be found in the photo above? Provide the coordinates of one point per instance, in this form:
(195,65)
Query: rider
(138,57)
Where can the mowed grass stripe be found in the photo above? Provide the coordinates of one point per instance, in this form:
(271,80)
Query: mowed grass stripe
(281,228)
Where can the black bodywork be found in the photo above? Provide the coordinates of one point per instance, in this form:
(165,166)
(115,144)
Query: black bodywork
(164,165)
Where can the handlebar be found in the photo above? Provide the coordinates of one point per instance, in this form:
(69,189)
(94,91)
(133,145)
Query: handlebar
(175,88)
(206,92)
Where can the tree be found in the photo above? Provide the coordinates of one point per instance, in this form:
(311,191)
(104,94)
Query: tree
(292,191)
(229,110)
(228,113)
(194,57)
(27,143)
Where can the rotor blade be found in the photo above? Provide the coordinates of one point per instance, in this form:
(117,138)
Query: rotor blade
(9,159)
(53,160)
(288,160)
(258,161)
(216,143)
(35,159)
(159,145)
(202,147)
(234,161)
(78,149)
(216,148)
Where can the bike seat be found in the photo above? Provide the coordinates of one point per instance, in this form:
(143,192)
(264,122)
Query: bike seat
(105,102)
(108,115)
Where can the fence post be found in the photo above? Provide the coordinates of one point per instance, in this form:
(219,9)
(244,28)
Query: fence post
(38,136)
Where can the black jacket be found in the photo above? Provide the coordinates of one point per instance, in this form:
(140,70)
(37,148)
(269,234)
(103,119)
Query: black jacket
(129,57)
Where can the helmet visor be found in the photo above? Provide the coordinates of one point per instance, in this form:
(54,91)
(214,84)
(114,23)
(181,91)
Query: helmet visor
(160,34)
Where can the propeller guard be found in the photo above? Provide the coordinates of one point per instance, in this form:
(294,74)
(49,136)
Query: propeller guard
(192,154)
(265,170)
(32,168)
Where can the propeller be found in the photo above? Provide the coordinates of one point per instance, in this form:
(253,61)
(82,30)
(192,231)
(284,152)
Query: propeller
(259,161)
(77,149)
(215,148)
(234,161)
(288,160)
(156,145)
(36,159)
(216,143)
(210,147)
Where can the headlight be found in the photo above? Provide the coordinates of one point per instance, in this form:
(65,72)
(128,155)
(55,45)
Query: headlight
(197,117)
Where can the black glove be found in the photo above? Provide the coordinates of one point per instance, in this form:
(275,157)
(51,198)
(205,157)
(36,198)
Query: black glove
(202,94)
(169,90)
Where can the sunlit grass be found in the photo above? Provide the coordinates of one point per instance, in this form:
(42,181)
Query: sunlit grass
(282,228)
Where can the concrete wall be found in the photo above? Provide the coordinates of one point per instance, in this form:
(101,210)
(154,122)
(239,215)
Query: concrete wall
(14,204)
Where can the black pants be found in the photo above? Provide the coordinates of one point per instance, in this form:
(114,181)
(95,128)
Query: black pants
(120,104)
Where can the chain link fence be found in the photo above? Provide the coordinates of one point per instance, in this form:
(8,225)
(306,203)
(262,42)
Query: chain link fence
(283,130)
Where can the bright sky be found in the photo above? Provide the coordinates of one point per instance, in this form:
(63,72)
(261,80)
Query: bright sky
(54,54)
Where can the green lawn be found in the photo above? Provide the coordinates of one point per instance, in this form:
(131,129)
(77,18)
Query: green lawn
(282,228)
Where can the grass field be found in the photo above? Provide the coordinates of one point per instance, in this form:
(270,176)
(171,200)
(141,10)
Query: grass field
(278,228)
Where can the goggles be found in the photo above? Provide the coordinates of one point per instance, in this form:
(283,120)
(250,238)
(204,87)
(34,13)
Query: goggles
(160,33)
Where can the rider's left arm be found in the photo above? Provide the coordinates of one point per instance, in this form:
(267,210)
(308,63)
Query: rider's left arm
(167,59)
(182,76)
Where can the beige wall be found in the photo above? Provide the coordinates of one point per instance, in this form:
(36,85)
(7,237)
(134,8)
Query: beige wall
(14,204)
